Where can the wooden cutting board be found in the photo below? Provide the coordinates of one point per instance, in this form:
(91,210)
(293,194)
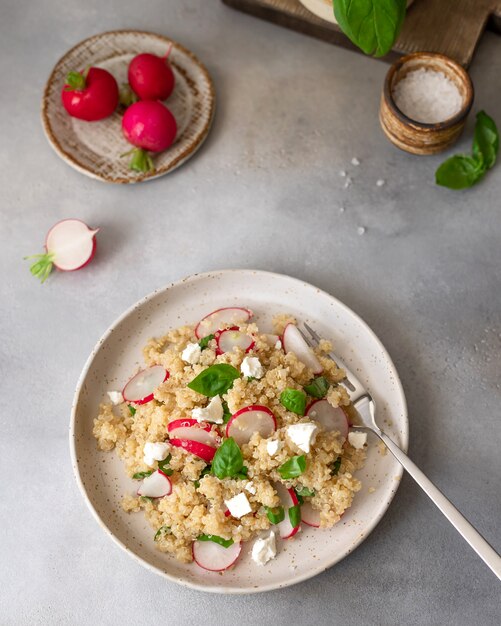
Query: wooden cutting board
(451,27)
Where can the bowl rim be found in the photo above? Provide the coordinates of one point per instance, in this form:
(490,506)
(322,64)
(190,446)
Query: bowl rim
(213,588)
(437,126)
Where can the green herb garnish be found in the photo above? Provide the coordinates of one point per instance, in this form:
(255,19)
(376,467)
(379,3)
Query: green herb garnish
(462,171)
(163,530)
(275,515)
(226,543)
(42,267)
(132,410)
(249,379)
(163,466)
(292,468)
(243,473)
(295,515)
(293,400)
(141,475)
(215,380)
(305,492)
(204,342)
(335,466)
(146,499)
(228,460)
(226,412)
(318,387)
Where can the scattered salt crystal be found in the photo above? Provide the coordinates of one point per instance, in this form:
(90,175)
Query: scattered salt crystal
(427,96)
(347,183)
(380,182)
(342,173)
(355,161)
(361,230)
(341,209)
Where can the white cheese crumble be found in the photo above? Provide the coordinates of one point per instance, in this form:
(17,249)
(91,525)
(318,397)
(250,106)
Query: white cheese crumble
(380,182)
(357,440)
(278,345)
(251,488)
(238,506)
(154,452)
(273,446)
(213,412)
(115,397)
(355,161)
(251,366)
(264,549)
(303,435)
(191,354)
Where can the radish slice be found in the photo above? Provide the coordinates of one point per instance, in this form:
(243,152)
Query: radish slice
(233,338)
(140,387)
(201,450)
(193,430)
(331,418)
(213,557)
(249,420)
(293,341)
(288,499)
(157,485)
(221,317)
(309,515)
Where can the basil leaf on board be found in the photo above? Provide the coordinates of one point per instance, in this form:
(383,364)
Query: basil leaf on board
(460,172)
(215,380)
(226,412)
(226,543)
(204,342)
(163,465)
(318,387)
(228,460)
(305,492)
(293,400)
(295,515)
(275,515)
(132,410)
(292,468)
(485,139)
(335,466)
(372,25)
(163,530)
(141,475)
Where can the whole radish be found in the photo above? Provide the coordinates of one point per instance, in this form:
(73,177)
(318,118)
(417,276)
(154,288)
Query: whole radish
(70,245)
(91,95)
(151,127)
(151,77)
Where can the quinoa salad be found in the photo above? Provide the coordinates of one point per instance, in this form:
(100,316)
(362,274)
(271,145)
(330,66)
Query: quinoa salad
(233,435)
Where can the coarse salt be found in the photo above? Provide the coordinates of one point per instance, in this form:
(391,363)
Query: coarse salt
(427,96)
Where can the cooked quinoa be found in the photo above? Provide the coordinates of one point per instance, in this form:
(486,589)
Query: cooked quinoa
(196,505)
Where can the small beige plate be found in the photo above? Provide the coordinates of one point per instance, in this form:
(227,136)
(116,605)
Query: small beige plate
(101,475)
(94,148)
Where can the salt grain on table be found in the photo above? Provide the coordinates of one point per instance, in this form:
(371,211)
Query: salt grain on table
(427,96)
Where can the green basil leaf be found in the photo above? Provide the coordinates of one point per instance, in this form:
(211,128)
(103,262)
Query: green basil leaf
(249,379)
(318,387)
(275,515)
(460,172)
(204,342)
(146,499)
(228,460)
(226,412)
(206,470)
(243,473)
(372,25)
(293,400)
(485,140)
(295,515)
(226,543)
(196,483)
(292,468)
(335,466)
(132,410)
(305,492)
(141,475)
(163,530)
(163,465)
(215,380)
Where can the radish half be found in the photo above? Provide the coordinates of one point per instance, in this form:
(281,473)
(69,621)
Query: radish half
(201,450)
(249,420)
(288,498)
(194,431)
(309,515)
(213,557)
(140,387)
(157,485)
(293,341)
(233,338)
(221,317)
(70,245)
(331,418)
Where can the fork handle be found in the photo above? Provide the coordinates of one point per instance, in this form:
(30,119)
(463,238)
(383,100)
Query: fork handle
(484,550)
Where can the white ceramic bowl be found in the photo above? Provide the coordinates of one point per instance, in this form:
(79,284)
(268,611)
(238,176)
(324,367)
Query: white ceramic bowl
(101,477)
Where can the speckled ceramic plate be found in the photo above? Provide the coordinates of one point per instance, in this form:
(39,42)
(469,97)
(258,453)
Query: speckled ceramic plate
(102,479)
(94,148)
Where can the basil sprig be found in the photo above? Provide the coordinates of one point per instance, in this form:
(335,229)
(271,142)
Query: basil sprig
(228,461)
(463,171)
(293,400)
(318,387)
(226,543)
(275,515)
(163,530)
(335,466)
(295,515)
(215,380)
(163,466)
(293,467)
(141,475)
(226,412)
(204,342)
(372,25)
(132,410)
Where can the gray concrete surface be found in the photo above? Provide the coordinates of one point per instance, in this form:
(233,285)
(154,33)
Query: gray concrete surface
(264,192)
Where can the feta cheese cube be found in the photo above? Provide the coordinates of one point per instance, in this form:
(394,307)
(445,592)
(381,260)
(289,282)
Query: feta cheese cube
(251,488)
(357,440)
(238,506)
(251,366)
(154,452)
(303,435)
(264,549)
(191,354)
(115,397)
(273,446)
(213,412)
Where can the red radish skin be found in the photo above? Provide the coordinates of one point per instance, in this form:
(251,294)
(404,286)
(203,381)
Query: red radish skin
(249,420)
(201,450)
(288,498)
(309,515)
(219,318)
(331,418)
(213,557)
(140,388)
(225,342)
(157,485)
(151,77)
(90,96)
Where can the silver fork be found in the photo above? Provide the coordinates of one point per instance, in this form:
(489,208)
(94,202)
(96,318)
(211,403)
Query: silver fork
(365,406)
